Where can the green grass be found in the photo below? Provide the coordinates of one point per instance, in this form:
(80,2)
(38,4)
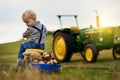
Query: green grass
(9,48)
(48,43)
(106,68)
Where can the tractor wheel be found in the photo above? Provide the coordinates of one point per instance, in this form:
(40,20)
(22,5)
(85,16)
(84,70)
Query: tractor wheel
(62,47)
(91,53)
(116,52)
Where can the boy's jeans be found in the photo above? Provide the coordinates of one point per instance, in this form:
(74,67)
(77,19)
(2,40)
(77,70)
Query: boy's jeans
(28,45)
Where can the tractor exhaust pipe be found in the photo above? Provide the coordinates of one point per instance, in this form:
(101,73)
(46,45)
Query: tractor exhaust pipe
(97,19)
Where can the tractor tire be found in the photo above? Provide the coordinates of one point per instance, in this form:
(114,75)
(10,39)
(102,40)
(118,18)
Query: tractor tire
(115,52)
(62,47)
(90,53)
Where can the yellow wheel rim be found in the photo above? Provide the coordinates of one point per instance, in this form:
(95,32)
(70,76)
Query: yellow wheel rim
(117,55)
(89,54)
(59,47)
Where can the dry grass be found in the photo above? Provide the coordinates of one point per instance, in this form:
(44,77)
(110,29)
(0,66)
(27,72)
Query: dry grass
(106,68)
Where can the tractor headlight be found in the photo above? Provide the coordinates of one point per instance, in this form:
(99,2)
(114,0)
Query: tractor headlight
(100,39)
(118,38)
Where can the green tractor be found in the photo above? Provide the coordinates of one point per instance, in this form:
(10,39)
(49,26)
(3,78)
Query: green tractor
(88,41)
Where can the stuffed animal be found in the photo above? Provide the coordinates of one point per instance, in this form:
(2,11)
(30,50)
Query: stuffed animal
(34,56)
(45,58)
(48,59)
(35,61)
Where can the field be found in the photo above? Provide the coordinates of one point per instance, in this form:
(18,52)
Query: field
(106,68)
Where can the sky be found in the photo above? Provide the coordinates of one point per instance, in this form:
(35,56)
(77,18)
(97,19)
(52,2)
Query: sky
(12,26)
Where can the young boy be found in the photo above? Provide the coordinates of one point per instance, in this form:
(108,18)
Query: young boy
(35,33)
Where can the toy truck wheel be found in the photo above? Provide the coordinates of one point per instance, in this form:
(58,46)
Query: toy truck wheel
(91,53)
(62,47)
(116,52)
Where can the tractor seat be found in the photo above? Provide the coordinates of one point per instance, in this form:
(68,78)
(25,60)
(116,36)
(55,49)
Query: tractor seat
(34,50)
(74,29)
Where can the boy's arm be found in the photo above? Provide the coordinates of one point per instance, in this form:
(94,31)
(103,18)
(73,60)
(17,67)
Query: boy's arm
(45,30)
(26,34)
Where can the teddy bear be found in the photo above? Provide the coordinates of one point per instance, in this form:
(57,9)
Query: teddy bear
(48,59)
(35,57)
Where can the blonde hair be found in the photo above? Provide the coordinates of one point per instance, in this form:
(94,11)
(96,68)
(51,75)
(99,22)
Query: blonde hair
(29,14)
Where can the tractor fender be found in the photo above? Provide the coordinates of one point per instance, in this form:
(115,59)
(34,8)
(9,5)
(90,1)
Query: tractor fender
(63,31)
(56,32)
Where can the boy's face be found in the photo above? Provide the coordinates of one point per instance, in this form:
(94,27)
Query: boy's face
(29,22)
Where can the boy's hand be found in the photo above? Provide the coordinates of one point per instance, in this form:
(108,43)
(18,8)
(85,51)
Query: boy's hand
(25,39)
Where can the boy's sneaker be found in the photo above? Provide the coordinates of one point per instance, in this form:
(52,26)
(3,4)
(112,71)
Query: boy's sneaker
(20,65)
(20,62)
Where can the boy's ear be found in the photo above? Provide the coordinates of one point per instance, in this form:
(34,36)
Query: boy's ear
(34,19)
